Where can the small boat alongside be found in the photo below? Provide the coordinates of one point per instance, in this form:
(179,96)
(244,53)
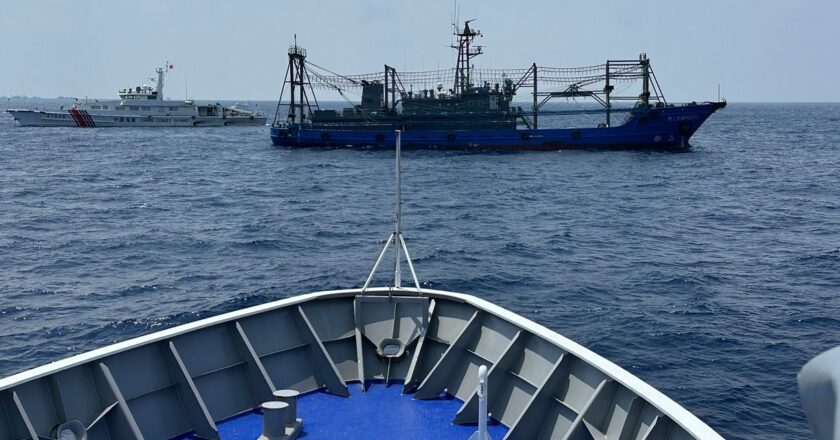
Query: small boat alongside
(140,106)
(478,111)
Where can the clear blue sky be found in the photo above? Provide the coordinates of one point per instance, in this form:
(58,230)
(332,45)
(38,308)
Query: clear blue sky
(758,50)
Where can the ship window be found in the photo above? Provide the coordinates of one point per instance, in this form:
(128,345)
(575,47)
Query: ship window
(173,108)
(116,118)
(94,107)
(119,107)
(146,108)
(122,119)
(134,108)
(104,107)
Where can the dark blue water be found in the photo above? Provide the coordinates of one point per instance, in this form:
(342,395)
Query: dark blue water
(713,275)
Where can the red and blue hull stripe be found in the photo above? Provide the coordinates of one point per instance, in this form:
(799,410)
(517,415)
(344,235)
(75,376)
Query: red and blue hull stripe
(82,118)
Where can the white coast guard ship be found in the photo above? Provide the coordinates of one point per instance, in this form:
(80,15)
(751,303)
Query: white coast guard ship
(141,106)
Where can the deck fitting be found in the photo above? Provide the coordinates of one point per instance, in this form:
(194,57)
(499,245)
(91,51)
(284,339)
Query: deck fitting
(274,420)
(294,425)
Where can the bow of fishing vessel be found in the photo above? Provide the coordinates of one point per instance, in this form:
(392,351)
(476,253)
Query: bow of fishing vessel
(478,110)
(367,362)
(140,106)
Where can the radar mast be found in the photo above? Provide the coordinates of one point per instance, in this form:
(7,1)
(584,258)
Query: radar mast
(466,52)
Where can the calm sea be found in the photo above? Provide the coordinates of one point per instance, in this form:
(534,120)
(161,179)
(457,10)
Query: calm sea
(713,274)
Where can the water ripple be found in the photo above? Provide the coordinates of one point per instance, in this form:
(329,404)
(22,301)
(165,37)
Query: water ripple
(712,275)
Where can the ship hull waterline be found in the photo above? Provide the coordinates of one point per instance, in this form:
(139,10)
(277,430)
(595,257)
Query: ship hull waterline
(85,119)
(665,128)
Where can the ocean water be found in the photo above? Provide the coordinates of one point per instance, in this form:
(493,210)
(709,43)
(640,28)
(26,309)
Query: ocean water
(712,274)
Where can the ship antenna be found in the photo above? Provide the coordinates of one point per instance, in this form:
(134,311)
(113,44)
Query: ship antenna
(396,237)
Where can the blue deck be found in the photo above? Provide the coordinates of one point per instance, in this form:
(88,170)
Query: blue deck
(380,413)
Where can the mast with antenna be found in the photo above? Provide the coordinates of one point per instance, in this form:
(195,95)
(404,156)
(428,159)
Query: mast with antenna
(466,52)
(297,77)
(396,237)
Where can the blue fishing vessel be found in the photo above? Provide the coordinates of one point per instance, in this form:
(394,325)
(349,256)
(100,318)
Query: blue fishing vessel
(478,111)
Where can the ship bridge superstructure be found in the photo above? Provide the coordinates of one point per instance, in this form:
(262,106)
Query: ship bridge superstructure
(146,91)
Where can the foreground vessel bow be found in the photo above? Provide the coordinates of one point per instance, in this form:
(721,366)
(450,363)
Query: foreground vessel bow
(478,111)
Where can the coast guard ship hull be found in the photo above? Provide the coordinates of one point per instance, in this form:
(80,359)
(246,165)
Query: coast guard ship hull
(663,128)
(84,118)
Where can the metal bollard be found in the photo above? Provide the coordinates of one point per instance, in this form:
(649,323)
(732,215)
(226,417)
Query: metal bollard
(274,420)
(288,397)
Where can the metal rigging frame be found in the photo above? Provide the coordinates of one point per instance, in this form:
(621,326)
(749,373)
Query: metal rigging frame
(576,79)
(297,77)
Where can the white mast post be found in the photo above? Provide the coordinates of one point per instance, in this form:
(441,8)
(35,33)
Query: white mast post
(397,234)
(396,237)
(159,86)
(482,434)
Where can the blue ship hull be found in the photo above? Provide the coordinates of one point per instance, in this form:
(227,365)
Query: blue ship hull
(659,128)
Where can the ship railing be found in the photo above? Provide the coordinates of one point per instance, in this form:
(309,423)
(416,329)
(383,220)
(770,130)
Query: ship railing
(297,50)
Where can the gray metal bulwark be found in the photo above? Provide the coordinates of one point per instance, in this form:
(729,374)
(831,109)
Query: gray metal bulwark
(495,377)
(436,381)
(201,421)
(325,368)
(129,417)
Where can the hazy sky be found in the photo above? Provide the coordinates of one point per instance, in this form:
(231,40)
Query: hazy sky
(757,50)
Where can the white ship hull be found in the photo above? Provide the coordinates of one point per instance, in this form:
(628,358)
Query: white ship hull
(83,118)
